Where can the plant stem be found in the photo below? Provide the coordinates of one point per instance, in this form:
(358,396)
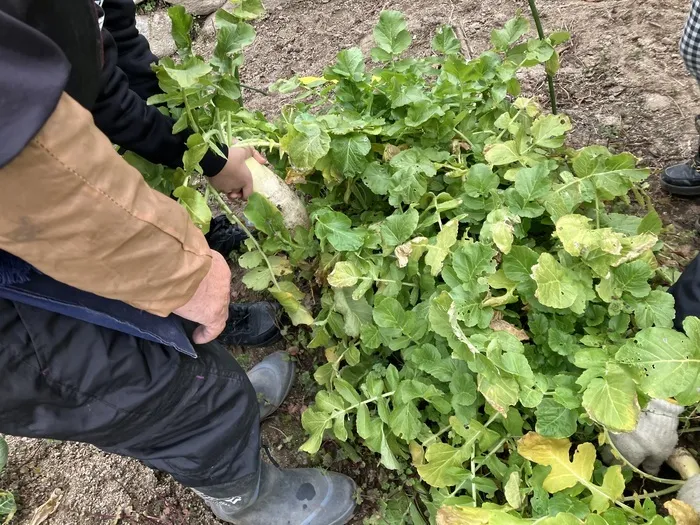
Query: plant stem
(232,217)
(669,490)
(251,88)
(665,481)
(540,33)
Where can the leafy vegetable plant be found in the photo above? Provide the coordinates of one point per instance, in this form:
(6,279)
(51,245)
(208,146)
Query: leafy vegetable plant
(8,507)
(482,306)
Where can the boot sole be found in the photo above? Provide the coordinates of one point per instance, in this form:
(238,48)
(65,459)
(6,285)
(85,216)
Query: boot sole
(684,191)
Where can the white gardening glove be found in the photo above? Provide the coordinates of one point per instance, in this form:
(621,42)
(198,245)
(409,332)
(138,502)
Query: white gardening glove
(655,437)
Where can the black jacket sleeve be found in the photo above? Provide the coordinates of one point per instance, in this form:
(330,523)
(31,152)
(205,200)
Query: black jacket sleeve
(134,53)
(121,112)
(33,74)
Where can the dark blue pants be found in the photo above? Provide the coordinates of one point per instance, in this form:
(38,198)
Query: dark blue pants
(60,378)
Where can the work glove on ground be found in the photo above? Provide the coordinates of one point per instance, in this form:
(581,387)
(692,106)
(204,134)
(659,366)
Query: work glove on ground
(655,437)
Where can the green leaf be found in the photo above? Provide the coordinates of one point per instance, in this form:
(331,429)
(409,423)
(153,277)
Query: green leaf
(376,177)
(438,314)
(258,279)
(349,64)
(533,183)
(651,223)
(349,154)
(443,467)
(306,146)
(444,241)
(555,421)
(549,131)
(612,488)
(188,74)
(264,215)
(356,313)
(512,490)
(405,421)
(181,27)
(398,228)
(315,422)
(196,205)
(3,453)
(502,153)
(481,180)
(344,274)
(8,506)
(249,9)
(657,309)
(389,314)
(612,402)
(667,359)
(232,37)
(290,297)
(514,29)
(390,35)
(557,286)
(446,42)
(472,260)
(337,228)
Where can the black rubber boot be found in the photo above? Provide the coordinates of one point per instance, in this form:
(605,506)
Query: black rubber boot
(251,324)
(684,179)
(285,497)
(272,379)
(224,237)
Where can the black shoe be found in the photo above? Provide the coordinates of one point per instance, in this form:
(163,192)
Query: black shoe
(285,496)
(251,324)
(224,237)
(682,179)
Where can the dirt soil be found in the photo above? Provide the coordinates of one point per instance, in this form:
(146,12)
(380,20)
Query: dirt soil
(624,86)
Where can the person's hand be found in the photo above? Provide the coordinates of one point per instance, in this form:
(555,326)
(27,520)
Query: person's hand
(209,305)
(235,179)
(655,437)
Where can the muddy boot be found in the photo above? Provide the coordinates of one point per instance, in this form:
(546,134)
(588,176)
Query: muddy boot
(224,237)
(251,324)
(684,179)
(272,379)
(284,497)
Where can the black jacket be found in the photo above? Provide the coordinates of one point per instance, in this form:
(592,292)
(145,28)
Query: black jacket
(48,46)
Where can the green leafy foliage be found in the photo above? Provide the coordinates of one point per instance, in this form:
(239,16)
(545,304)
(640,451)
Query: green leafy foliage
(481,307)
(8,506)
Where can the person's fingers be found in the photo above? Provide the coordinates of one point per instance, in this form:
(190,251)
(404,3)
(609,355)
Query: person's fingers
(235,195)
(248,190)
(259,157)
(206,334)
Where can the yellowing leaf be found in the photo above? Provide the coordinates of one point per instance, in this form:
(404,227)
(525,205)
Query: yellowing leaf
(565,473)
(289,296)
(683,513)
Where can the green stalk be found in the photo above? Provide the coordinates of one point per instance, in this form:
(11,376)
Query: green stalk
(232,217)
(540,33)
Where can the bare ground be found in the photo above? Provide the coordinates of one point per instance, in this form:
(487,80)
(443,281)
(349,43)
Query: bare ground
(622,83)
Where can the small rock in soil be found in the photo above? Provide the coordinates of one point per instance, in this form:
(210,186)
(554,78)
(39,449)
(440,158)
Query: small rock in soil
(199,7)
(156,28)
(657,102)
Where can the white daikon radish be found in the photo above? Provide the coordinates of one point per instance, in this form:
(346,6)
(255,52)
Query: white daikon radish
(267,183)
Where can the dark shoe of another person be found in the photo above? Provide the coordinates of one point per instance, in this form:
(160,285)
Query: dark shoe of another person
(272,379)
(224,237)
(682,179)
(285,497)
(251,324)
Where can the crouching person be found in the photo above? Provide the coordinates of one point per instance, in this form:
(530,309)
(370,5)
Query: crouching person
(111,299)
